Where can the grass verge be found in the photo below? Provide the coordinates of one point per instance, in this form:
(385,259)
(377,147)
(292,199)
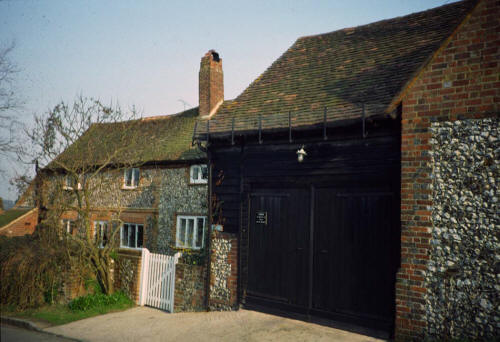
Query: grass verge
(79,308)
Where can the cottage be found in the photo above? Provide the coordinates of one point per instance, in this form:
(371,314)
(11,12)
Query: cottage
(359,173)
(156,186)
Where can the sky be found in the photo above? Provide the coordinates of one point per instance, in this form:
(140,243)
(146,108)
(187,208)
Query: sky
(147,53)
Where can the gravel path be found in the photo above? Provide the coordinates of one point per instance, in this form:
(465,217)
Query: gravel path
(149,324)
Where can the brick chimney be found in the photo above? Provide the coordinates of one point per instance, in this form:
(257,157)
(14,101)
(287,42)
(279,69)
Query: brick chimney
(211,83)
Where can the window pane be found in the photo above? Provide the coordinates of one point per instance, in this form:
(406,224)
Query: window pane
(128,177)
(104,233)
(125,235)
(182,233)
(189,233)
(136,177)
(140,232)
(97,230)
(199,232)
(196,171)
(204,172)
(131,235)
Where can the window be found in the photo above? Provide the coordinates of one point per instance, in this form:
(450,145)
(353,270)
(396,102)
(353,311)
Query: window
(101,232)
(70,183)
(68,226)
(190,232)
(132,235)
(131,178)
(198,174)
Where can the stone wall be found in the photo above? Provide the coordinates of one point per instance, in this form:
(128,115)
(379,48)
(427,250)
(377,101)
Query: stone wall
(166,190)
(108,191)
(190,286)
(127,273)
(460,82)
(177,197)
(461,278)
(224,272)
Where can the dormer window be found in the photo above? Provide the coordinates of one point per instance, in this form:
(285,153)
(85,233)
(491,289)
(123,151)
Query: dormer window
(131,178)
(198,174)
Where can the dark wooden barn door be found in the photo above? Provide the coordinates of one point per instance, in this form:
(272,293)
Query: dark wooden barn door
(331,244)
(355,253)
(278,245)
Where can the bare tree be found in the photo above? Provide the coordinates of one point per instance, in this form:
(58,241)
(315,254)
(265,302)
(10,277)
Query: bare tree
(8,100)
(81,149)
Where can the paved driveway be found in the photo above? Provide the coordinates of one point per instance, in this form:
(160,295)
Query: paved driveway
(147,324)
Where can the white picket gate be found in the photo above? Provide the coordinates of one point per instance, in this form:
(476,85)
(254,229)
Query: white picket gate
(158,280)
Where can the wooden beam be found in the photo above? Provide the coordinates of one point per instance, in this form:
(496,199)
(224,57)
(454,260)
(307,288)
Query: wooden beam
(324,125)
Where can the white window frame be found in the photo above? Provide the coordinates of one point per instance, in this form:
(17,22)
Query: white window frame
(199,179)
(100,225)
(136,225)
(67,183)
(66,224)
(134,182)
(185,243)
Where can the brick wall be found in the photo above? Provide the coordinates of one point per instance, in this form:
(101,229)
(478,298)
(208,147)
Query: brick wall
(211,86)
(73,286)
(462,81)
(22,225)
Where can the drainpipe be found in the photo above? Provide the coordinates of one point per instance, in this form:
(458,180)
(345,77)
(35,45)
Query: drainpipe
(209,229)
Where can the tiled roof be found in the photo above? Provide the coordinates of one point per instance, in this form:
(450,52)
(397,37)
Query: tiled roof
(165,138)
(340,70)
(10,215)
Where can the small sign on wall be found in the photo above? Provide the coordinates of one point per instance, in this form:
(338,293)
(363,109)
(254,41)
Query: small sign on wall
(217,227)
(261,217)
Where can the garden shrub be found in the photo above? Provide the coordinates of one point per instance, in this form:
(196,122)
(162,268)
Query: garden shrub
(99,300)
(32,268)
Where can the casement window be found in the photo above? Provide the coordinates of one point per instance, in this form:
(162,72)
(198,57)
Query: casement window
(70,183)
(132,235)
(68,226)
(131,178)
(101,232)
(198,174)
(190,231)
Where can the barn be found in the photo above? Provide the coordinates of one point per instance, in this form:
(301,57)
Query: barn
(320,168)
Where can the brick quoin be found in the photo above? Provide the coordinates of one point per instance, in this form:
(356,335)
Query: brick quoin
(461,81)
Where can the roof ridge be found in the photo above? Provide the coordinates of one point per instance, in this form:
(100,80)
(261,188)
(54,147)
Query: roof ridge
(158,117)
(350,28)
(167,116)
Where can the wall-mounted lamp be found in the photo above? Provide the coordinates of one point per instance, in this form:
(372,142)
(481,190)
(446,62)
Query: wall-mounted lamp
(301,153)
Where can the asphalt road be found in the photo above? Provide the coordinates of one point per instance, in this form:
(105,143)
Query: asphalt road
(9,333)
